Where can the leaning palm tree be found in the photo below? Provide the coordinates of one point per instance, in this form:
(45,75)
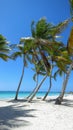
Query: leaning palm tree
(25,50)
(40,71)
(40,30)
(20,51)
(43,35)
(50,85)
(37,88)
(17,53)
(54,51)
(59,59)
(70,51)
(4,48)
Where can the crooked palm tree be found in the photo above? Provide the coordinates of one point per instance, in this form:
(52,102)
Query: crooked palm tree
(39,65)
(50,85)
(70,52)
(53,49)
(40,31)
(60,59)
(40,71)
(25,50)
(46,32)
(19,50)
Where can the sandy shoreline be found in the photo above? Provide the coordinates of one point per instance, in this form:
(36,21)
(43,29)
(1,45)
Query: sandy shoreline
(38,115)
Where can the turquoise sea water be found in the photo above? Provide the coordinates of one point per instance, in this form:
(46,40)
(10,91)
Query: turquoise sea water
(11,94)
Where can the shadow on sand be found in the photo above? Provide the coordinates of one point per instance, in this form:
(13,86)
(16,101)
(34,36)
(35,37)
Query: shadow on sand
(65,102)
(11,116)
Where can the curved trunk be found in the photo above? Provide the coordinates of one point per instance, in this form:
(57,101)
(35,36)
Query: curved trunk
(48,89)
(60,98)
(37,88)
(33,90)
(45,61)
(50,78)
(16,96)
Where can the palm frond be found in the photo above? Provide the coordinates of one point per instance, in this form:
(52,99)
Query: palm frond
(60,27)
(15,55)
(58,72)
(4,48)
(4,57)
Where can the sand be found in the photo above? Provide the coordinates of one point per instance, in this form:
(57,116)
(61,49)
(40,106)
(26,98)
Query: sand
(38,115)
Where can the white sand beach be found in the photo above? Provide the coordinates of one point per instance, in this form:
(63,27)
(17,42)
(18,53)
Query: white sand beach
(38,115)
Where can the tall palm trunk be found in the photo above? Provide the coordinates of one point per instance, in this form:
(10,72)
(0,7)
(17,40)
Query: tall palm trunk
(60,98)
(33,89)
(18,88)
(35,58)
(37,88)
(48,89)
(50,82)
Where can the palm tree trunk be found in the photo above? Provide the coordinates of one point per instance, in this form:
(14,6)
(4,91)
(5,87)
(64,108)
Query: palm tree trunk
(48,89)
(33,89)
(37,88)
(60,98)
(50,82)
(16,96)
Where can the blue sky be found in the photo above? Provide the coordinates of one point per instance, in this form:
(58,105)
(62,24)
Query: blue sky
(15,21)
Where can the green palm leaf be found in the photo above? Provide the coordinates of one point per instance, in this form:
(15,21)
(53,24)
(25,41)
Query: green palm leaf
(4,48)
(4,56)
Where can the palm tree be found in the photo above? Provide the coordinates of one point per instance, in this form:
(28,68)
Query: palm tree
(59,59)
(20,51)
(43,40)
(37,88)
(50,82)
(25,49)
(21,78)
(65,66)
(60,98)
(59,55)
(70,51)
(39,70)
(37,35)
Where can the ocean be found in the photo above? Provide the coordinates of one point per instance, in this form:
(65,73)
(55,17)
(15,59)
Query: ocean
(11,94)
